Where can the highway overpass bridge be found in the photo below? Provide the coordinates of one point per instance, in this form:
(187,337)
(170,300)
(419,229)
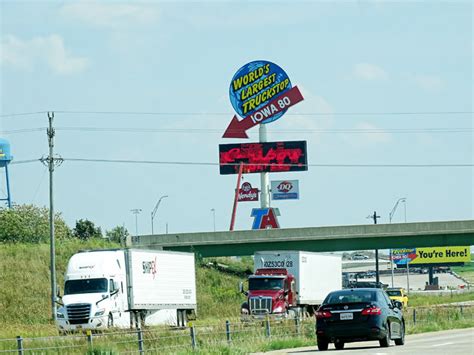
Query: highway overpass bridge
(339,238)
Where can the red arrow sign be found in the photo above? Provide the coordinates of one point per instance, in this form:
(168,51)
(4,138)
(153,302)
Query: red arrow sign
(237,129)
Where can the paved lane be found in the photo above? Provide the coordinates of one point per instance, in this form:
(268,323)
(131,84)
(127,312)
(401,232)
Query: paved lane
(449,342)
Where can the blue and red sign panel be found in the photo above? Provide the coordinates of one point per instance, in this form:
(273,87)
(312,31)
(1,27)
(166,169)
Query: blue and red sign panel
(403,256)
(265,218)
(260,92)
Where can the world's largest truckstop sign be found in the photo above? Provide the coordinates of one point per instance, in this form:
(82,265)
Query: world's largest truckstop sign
(260,92)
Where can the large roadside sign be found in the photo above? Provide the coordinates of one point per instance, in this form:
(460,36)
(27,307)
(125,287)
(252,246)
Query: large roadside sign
(263,157)
(260,92)
(436,255)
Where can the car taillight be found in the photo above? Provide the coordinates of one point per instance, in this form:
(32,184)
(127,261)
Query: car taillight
(323,314)
(373,311)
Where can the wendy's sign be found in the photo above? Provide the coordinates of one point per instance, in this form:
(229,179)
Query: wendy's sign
(260,93)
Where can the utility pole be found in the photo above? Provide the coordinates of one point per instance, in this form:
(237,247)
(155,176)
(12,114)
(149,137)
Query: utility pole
(51,162)
(377,276)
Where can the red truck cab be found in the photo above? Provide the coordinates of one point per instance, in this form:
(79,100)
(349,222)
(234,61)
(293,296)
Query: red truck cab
(271,292)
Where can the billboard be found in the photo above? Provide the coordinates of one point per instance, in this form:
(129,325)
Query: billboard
(260,92)
(247,193)
(285,190)
(436,255)
(263,157)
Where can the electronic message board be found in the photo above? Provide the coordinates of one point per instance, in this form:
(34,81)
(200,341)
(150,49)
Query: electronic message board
(263,157)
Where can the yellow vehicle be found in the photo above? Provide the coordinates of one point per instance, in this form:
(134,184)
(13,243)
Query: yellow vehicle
(398,294)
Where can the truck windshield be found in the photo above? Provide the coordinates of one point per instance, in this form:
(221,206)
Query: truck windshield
(85,286)
(265,283)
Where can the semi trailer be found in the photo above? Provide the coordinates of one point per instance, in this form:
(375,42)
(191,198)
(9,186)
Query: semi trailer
(127,288)
(290,283)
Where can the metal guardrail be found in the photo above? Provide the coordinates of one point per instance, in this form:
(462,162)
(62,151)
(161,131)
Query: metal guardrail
(228,333)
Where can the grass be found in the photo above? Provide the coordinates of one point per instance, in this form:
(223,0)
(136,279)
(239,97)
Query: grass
(420,300)
(25,304)
(25,298)
(466,271)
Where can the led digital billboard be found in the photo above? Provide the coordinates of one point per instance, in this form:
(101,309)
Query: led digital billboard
(263,157)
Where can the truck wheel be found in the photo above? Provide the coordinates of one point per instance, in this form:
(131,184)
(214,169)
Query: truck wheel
(184,318)
(323,344)
(110,321)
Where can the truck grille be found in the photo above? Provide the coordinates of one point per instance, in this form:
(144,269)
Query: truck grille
(260,305)
(78,313)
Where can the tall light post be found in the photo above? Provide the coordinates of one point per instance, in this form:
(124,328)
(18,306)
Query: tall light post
(214,217)
(394,209)
(377,274)
(392,212)
(153,213)
(136,212)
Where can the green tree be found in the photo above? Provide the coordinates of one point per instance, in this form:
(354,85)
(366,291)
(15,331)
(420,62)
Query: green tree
(118,234)
(30,224)
(86,230)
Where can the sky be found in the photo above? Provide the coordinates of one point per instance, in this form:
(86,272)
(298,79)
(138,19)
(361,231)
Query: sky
(384,83)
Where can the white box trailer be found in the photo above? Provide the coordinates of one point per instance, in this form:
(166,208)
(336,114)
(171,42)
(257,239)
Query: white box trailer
(121,287)
(316,274)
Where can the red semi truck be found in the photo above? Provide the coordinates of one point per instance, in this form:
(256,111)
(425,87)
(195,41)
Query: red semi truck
(290,283)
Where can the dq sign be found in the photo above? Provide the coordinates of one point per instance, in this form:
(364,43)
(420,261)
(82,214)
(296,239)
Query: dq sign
(285,190)
(260,92)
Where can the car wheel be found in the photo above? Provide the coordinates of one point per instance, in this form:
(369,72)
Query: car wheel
(323,344)
(339,345)
(385,342)
(110,321)
(401,341)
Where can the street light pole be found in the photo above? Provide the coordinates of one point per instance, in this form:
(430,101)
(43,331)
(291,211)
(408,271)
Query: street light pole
(392,212)
(136,212)
(377,276)
(153,213)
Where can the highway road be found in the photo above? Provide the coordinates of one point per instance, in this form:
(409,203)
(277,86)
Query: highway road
(452,342)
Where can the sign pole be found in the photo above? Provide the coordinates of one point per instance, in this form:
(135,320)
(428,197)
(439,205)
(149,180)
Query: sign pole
(236,198)
(264,177)
(408,275)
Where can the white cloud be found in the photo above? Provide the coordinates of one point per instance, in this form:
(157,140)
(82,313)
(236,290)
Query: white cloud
(26,54)
(110,14)
(428,82)
(372,133)
(366,71)
(301,118)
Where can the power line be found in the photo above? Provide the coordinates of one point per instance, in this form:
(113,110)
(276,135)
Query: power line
(219,131)
(22,114)
(24,130)
(291,114)
(156,113)
(157,162)
(289,165)
(14,162)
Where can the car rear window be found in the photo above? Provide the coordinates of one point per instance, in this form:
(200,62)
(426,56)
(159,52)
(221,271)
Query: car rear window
(394,293)
(353,296)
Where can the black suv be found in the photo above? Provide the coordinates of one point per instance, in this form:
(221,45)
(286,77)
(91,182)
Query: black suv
(359,314)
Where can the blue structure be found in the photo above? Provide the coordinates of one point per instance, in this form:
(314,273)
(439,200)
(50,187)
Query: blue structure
(5,159)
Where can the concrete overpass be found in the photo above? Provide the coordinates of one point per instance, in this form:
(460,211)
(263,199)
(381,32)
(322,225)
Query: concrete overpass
(340,238)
